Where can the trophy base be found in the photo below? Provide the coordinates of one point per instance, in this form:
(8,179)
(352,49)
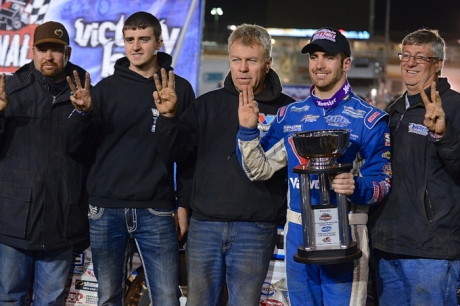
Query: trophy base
(328,257)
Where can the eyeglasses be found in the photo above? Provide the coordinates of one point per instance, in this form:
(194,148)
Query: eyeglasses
(419,59)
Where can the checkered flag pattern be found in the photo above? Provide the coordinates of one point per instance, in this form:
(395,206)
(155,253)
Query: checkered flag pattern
(37,10)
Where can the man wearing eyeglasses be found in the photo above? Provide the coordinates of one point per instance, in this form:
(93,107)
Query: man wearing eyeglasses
(416,231)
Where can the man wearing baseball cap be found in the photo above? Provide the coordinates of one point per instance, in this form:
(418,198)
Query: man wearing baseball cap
(328,40)
(43,203)
(331,105)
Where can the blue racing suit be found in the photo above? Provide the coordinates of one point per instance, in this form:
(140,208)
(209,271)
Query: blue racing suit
(368,150)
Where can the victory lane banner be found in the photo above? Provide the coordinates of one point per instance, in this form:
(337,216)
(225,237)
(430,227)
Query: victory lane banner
(95,30)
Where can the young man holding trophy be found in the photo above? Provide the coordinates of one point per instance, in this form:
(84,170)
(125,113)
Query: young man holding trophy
(331,105)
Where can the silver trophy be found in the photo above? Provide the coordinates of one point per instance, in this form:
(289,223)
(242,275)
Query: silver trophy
(326,232)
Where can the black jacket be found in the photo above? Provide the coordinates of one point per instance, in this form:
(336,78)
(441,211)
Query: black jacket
(421,215)
(131,168)
(43,204)
(221,190)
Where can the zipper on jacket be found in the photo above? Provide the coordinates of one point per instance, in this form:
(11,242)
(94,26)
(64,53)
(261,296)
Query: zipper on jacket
(231,155)
(428,207)
(427,202)
(399,122)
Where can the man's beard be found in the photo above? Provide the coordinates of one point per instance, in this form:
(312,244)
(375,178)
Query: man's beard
(54,73)
(49,72)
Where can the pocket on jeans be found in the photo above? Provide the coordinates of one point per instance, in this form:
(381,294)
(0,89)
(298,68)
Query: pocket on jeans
(95,212)
(161,212)
(266,225)
(15,207)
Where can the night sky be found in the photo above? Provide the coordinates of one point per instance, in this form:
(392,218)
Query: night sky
(405,15)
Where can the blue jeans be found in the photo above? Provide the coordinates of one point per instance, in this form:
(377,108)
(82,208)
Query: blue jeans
(236,252)
(155,235)
(315,285)
(50,270)
(418,282)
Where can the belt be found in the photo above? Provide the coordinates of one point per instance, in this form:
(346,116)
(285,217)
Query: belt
(353,218)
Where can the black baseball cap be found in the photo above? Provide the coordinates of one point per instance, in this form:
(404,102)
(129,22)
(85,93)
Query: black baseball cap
(328,40)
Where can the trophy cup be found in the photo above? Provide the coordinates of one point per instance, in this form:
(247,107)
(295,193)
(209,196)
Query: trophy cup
(326,232)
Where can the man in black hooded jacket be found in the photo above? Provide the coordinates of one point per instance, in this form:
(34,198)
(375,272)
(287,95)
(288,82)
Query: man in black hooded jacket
(233,224)
(131,185)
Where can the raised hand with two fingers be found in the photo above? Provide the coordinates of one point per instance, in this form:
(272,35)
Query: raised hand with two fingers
(435,118)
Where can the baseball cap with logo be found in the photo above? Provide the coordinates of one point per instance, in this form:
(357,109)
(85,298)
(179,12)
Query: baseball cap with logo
(328,40)
(51,31)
